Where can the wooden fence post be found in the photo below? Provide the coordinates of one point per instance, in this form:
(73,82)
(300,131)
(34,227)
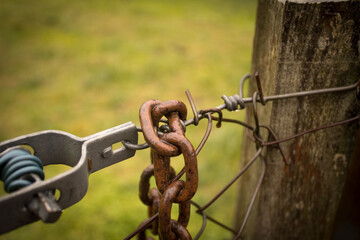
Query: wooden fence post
(304,45)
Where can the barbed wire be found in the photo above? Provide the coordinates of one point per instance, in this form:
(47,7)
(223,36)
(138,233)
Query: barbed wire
(233,103)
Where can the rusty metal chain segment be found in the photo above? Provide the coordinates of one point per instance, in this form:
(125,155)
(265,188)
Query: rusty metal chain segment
(169,144)
(166,202)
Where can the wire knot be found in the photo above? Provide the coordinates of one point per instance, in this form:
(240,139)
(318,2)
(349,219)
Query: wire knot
(233,103)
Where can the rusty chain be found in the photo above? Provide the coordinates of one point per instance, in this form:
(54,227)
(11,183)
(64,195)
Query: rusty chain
(169,140)
(170,190)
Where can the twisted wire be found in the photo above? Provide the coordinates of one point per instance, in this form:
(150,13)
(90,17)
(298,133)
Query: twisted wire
(233,103)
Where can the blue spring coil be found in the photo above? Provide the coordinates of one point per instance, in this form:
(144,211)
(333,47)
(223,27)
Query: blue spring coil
(15,165)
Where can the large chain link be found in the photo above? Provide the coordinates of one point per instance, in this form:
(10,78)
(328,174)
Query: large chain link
(169,144)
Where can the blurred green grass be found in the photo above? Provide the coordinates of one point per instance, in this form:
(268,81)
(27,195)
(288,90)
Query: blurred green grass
(86,66)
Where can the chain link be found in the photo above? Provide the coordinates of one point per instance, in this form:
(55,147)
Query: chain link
(170,190)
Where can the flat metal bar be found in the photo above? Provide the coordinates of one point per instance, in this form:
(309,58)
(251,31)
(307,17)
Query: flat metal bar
(84,155)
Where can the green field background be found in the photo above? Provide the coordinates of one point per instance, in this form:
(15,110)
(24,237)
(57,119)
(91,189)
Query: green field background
(85,66)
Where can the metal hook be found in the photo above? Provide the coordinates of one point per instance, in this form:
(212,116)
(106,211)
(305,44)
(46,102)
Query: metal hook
(193,108)
(256,131)
(258,83)
(241,86)
(206,135)
(132,146)
(213,110)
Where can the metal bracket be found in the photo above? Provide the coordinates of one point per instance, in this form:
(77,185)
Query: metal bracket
(84,155)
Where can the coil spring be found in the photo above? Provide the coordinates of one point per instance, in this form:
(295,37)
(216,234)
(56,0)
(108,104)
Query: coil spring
(233,102)
(16,165)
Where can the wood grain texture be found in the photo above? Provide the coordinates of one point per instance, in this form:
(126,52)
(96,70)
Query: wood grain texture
(298,47)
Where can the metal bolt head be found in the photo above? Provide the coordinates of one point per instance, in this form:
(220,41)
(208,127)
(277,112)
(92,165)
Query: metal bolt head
(45,207)
(107,152)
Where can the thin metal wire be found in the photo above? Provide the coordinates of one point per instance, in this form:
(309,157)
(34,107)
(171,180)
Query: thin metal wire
(312,92)
(200,146)
(233,103)
(132,146)
(193,108)
(299,94)
(241,85)
(258,83)
(142,227)
(273,134)
(213,110)
(229,120)
(256,118)
(207,217)
(263,166)
(203,226)
(311,131)
(207,134)
(247,122)
(270,130)
(220,224)
(257,136)
(241,172)
(229,185)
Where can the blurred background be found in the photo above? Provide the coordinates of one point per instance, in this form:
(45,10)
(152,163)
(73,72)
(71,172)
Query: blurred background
(85,66)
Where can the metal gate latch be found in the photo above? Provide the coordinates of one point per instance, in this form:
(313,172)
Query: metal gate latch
(85,155)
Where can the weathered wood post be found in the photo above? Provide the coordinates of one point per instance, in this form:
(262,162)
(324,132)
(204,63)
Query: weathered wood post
(304,45)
